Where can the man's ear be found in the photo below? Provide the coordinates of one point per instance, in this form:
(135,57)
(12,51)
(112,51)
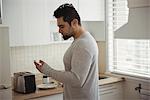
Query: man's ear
(74,22)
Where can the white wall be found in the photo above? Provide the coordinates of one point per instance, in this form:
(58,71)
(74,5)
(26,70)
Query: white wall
(102,56)
(22,57)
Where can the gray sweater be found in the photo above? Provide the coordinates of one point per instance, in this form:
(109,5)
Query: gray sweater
(80,77)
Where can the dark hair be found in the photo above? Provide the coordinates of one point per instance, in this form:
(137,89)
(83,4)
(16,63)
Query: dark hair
(68,12)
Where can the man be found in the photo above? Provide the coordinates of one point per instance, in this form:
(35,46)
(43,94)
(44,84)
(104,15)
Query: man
(80,77)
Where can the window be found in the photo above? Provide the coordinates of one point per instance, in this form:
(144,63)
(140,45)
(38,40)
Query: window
(126,55)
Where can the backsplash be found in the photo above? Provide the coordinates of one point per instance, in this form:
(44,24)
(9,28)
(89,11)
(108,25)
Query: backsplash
(21,58)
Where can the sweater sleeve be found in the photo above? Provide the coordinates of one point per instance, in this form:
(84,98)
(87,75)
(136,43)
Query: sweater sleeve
(61,76)
(80,66)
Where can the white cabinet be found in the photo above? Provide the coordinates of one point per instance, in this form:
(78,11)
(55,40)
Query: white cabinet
(111,92)
(4,56)
(91,10)
(28,22)
(5,79)
(51,97)
(87,9)
(6,94)
(35,22)
(12,16)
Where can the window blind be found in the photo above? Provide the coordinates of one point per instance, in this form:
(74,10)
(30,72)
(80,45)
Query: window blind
(125,56)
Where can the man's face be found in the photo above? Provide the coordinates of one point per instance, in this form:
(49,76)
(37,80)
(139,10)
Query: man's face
(64,28)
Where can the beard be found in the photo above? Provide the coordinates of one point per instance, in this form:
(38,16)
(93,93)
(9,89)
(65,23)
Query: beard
(66,37)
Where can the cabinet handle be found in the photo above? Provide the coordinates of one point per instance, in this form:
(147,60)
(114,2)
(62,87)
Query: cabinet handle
(108,92)
(107,89)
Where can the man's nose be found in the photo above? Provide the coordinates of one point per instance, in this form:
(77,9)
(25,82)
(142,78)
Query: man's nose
(59,31)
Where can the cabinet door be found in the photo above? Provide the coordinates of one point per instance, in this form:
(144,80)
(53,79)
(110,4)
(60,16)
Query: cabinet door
(12,16)
(28,22)
(5,77)
(6,94)
(91,10)
(111,92)
(35,22)
(52,97)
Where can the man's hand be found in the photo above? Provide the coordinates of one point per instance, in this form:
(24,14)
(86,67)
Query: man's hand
(39,65)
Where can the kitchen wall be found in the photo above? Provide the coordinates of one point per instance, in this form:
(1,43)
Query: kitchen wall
(22,57)
(102,56)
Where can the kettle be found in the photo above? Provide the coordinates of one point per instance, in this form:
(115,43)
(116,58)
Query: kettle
(24,82)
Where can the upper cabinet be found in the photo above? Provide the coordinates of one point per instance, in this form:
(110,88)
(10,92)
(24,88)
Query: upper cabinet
(12,16)
(28,22)
(35,22)
(91,10)
(31,22)
(87,9)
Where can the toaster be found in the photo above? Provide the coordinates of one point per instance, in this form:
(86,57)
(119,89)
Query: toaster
(24,82)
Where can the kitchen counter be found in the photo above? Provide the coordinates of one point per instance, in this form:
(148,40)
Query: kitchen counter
(38,93)
(59,89)
(109,80)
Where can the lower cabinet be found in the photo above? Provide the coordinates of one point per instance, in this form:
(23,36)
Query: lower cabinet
(111,91)
(6,94)
(51,97)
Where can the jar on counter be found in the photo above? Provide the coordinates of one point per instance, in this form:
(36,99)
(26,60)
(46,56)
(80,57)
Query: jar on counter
(46,79)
